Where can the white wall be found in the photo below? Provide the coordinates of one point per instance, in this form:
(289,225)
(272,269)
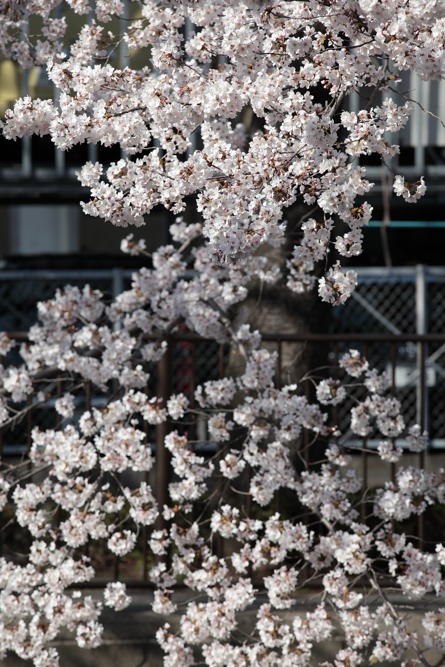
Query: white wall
(43,229)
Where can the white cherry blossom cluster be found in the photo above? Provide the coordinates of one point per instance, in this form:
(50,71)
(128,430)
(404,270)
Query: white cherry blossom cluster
(194,91)
(241,107)
(257,429)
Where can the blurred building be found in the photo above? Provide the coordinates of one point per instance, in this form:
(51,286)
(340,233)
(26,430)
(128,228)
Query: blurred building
(42,224)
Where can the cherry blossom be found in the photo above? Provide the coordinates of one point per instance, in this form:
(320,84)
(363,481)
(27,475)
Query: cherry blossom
(240,124)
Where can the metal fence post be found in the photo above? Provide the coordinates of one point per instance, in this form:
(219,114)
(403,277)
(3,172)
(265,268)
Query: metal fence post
(164,370)
(422,347)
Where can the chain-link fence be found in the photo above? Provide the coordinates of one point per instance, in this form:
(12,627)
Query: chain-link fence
(403,301)
(21,290)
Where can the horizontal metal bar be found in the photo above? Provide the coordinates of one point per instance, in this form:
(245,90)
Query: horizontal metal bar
(298,338)
(408,223)
(47,274)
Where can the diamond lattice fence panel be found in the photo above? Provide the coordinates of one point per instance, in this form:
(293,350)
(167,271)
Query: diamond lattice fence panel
(378,306)
(403,301)
(436,305)
(19,295)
